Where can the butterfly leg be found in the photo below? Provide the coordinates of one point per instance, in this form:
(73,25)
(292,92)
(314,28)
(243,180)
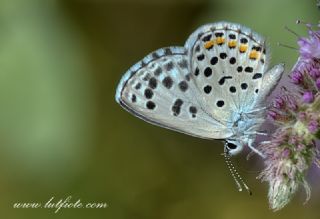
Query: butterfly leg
(256,133)
(257,110)
(265,142)
(251,153)
(254,149)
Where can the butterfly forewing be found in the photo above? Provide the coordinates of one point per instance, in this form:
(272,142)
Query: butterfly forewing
(228,62)
(161,90)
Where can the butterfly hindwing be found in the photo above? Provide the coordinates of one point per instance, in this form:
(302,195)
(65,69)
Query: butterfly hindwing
(160,90)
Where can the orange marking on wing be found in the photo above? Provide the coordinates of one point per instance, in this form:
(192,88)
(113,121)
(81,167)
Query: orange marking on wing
(254,54)
(209,44)
(220,40)
(243,48)
(232,44)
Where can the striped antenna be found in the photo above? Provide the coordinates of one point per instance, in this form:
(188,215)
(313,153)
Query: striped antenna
(234,173)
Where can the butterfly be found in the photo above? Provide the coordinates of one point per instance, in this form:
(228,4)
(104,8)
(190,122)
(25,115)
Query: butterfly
(214,87)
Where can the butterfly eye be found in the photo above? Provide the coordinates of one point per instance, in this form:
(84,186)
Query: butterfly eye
(231,146)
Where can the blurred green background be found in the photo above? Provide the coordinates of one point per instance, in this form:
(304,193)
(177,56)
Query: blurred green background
(62,133)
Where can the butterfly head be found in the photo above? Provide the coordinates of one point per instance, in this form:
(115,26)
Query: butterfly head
(233,147)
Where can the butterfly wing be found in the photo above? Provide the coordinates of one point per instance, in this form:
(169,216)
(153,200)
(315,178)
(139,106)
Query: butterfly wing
(202,88)
(160,89)
(232,61)
(269,81)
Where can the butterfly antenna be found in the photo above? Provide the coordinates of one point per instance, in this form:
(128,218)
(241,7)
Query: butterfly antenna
(286,46)
(305,23)
(309,26)
(291,31)
(235,175)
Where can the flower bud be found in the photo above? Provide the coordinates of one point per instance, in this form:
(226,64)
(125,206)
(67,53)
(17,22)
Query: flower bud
(296,77)
(318,83)
(313,126)
(308,97)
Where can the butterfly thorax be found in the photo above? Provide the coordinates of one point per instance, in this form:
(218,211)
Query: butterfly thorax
(244,128)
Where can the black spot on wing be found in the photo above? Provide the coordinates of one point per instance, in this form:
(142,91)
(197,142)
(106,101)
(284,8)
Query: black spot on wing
(167,51)
(207,89)
(214,60)
(232,36)
(188,77)
(133,98)
(248,69)
(146,77)
(176,108)
(143,64)
(232,89)
(223,55)
(183,85)
(218,34)
(206,38)
(257,48)
(193,111)
(167,82)
(153,83)
(197,71)
(183,64)
(244,86)
(197,48)
(150,105)
(257,75)
(200,57)
(168,66)
(232,60)
(244,40)
(207,72)
(200,35)
(148,93)
(155,55)
(158,71)
(239,69)
(220,103)
(223,79)
(138,86)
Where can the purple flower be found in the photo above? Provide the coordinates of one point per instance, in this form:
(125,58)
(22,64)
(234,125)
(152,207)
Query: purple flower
(313,126)
(308,97)
(296,77)
(286,163)
(314,73)
(310,47)
(292,102)
(302,116)
(278,103)
(292,147)
(272,115)
(286,153)
(318,83)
